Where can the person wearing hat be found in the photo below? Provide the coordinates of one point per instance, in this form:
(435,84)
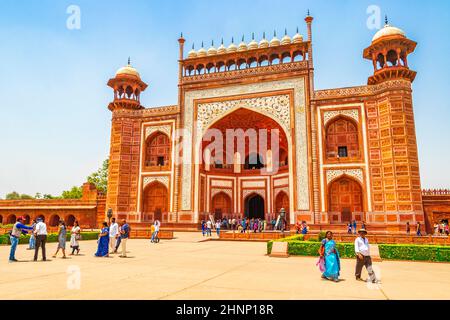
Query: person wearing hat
(18,229)
(363,258)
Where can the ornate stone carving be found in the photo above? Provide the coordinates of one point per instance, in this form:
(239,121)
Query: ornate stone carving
(222,183)
(253,184)
(248,192)
(161,128)
(355,173)
(215,191)
(150,179)
(351,113)
(353,92)
(299,103)
(276,106)
(284,67)
(278,190)
(281,182)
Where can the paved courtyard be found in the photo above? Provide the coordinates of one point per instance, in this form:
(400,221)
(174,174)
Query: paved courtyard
(189,268)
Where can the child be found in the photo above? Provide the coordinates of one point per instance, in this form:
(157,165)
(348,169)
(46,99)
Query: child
(152,230)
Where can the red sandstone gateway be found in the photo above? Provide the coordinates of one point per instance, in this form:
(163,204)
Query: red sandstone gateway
(342,155)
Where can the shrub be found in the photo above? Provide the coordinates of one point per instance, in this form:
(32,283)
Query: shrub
(311,249)
(51,238)
(414,252)
(322,235)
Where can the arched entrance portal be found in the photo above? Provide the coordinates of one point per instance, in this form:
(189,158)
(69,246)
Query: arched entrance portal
(346,197)
(254,207)
(54,220)
(156,201)
(70,220)
(282,202)
(221,206)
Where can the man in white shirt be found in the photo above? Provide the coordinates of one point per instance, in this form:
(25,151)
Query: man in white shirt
(363,258)
(113,235)
(41,238)
(208,228)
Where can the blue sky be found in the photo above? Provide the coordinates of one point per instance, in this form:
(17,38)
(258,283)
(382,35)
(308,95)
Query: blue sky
(54,121)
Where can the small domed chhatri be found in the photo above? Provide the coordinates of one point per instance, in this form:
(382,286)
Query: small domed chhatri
(222,49)
(192,54)
(264,43)
(242,45)
(286,39)
(388,31)
(232,47)
(275,41)
(298,38)
(128,70)
(212,50)
(252,45)
(202,52)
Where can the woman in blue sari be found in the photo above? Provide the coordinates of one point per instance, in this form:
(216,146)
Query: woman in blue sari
(103,242)
(331,255)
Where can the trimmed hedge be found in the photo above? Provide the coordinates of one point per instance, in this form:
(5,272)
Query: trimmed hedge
(311,249)
(414,252)
(53,237)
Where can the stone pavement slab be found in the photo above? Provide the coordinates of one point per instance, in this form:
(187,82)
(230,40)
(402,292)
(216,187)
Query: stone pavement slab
(189,268)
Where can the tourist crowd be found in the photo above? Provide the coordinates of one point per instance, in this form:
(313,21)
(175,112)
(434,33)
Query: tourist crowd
(247,225)
(111,237)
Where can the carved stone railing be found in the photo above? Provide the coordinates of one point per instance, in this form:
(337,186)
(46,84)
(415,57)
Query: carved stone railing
(436,192)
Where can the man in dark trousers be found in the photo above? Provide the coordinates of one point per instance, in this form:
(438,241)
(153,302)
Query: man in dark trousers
(18,229)
(41,238)
(363,258)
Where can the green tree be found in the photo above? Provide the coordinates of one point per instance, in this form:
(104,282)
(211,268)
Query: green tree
(16,196)
(74,193)
(100,177)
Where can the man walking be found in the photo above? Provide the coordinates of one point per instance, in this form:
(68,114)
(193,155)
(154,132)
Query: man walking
(124,236)
(113,233)
(208,228)
(18,229)
(363,258)
(41,238)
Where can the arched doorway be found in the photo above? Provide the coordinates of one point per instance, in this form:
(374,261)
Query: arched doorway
(54,220)
(70,220)
(342,139)
(156,201)
(221,205)
(254,207)
(282,202)
(1,219)
(157,151)
(345,197)
(11,219)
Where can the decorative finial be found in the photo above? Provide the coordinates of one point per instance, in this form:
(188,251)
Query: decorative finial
(297,29)
(308,13)
(285,31)
(232,39)
(193,46)
(253,36)
(274,33)
(202,44)
(386,21)
(129,61)
(181,35)
(212,43)
(264,35)
(243,38)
